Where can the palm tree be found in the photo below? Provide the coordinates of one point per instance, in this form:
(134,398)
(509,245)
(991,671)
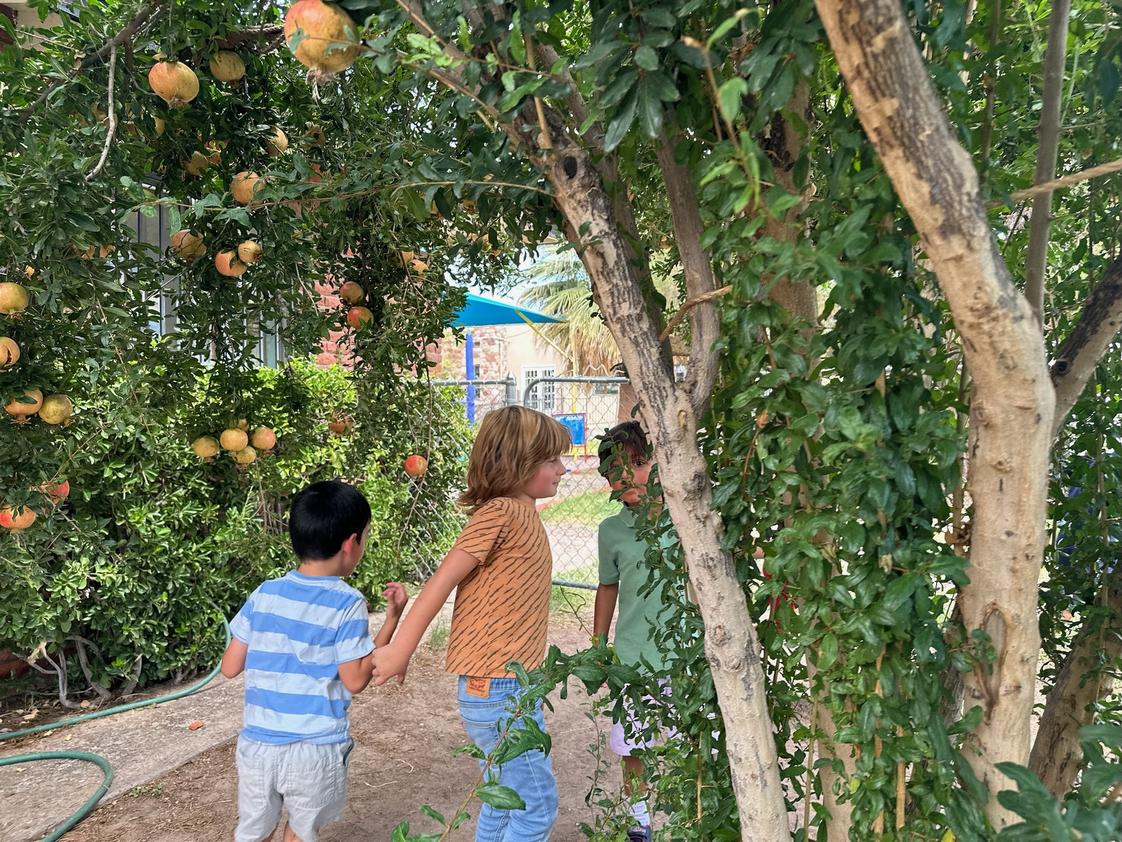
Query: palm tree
(559,286)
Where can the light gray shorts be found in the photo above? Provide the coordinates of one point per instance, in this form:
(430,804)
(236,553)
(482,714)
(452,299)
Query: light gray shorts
(309,780)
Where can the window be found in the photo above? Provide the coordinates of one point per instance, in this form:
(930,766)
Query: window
(155,230)
(543,396)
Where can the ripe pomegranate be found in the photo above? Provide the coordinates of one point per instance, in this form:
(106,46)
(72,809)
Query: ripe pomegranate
(249,251)
(195,165)
(242,425)
(13,298)
(227,263)
(415,465)
(56,409)
(351,292)
(245,456)
(263,439)
(174,82)
(226,66)
(357,317)
(56,490)
(275,144)
(11,521)
(322,36)
(340,426)
(233,440)
(22,408)
(245,185)
(9,352)
(205,447)
(187,246)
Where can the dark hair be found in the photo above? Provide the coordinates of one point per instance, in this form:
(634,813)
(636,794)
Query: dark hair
(628,437)
(323,516)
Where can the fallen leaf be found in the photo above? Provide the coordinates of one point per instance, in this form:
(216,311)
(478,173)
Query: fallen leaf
(196,725)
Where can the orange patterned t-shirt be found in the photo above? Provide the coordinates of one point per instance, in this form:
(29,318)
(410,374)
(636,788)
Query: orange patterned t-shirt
(502,606)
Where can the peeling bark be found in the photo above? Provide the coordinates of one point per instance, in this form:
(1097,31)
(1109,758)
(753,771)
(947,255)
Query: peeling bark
(1013,402)
(704,322)
(1048,133)
(1056,754)
(731,646)
(1079,355)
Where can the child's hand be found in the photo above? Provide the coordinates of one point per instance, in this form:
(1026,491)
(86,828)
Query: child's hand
(396,597)
(390,660)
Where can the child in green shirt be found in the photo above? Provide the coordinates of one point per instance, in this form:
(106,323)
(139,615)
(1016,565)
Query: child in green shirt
(625,461)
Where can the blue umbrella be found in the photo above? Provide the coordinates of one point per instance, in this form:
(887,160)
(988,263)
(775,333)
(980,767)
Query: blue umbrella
(480,311)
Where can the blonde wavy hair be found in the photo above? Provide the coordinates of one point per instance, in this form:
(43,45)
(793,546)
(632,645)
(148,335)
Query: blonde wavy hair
(512,442)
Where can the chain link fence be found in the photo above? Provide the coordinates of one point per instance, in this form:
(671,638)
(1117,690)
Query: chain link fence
(587,406)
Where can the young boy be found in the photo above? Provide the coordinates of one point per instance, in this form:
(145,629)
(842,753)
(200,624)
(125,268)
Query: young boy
(304,643)
(625,462)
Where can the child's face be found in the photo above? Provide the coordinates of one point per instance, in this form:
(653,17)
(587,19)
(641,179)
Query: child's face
(544,481)
(632,482)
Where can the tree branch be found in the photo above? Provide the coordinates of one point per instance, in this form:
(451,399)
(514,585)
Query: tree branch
(1065,181)
(1013,401)
(112,107)
(1048,133)
(1081,351)
(270,35)
(700,281)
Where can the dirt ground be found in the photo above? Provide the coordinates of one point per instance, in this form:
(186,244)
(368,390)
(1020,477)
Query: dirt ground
(403,759)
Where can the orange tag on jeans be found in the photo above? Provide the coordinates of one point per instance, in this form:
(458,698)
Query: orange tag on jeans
(479,687)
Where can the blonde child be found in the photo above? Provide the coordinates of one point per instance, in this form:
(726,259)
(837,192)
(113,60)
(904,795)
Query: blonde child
(501,567)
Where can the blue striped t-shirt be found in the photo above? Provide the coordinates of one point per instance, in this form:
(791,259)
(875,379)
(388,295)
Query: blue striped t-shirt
(299,629)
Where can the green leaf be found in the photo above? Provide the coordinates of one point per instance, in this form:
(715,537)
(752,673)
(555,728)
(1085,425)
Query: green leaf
(517,42)
(725,26)
(646,58)
(650,111)
(659,16)
(500,797)
(662,87)
(729,97)
(827,650)
(621,122)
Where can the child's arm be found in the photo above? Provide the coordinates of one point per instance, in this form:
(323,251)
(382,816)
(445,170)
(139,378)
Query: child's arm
(356,674)
(396,597)
(233,660)
(603,611)
(393,659)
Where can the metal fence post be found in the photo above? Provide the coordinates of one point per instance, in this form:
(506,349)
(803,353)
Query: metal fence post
(511,390)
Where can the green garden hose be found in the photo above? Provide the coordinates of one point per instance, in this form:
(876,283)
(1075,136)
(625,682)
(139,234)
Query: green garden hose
(91,802)
(89,757)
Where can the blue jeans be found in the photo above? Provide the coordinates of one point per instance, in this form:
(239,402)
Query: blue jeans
(530,774)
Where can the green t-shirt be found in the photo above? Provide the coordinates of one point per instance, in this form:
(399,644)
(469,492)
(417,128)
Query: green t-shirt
(622,562)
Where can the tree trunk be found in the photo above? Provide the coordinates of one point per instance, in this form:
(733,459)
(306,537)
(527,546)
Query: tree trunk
(731,646)
(1056,755)
(1012,408)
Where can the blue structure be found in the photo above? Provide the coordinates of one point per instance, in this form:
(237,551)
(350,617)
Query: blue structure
(479,311)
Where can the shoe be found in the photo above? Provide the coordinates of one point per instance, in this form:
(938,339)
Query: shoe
(639,834)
